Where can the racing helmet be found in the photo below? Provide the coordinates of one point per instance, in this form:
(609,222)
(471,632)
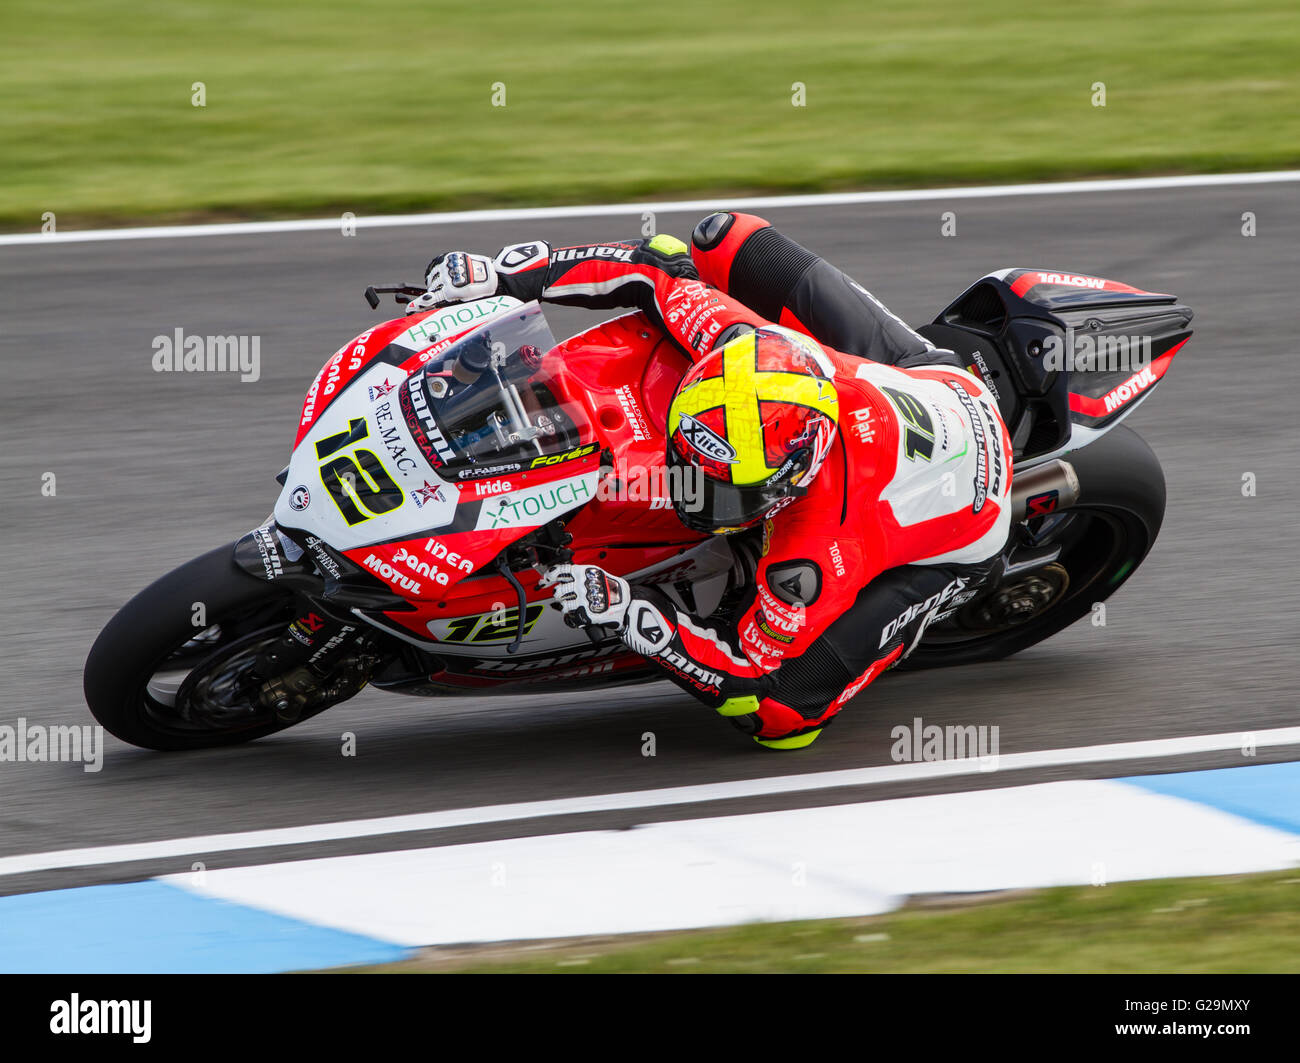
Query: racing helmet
(752,423)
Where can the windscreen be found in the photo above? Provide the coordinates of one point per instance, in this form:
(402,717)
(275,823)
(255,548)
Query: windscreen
(490,398)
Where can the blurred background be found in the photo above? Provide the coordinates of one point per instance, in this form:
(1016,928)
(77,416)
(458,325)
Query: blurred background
(318,106)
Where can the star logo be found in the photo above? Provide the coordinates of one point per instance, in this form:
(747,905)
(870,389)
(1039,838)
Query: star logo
(428,493)
(378,391)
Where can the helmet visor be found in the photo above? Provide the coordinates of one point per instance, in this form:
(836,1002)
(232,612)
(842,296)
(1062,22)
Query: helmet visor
(716,504)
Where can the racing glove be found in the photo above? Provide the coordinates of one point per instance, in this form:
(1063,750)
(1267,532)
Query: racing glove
(458,277)
(587,594)
(518,270)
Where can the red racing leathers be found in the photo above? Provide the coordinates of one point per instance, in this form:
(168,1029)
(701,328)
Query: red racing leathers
(899,526)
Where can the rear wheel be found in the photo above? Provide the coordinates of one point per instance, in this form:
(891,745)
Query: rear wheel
(1098,544)
(157,679)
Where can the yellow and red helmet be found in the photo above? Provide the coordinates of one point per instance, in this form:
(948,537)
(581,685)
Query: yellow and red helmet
(754,419)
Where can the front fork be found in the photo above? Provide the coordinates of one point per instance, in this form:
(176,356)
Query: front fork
(324,654)
(320,656)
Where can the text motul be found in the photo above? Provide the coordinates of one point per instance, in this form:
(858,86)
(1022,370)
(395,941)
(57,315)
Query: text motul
(1129,388)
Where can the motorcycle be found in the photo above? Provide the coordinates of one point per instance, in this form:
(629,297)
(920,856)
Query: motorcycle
(443,459)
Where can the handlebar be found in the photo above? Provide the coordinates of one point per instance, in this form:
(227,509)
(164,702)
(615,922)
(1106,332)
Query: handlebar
(402,293)
(559,544)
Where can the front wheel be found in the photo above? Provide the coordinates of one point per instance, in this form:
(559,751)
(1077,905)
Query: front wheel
(1101,539)
(169,671)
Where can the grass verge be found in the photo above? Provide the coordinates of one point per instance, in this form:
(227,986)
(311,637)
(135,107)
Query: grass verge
(320,106)
(1237,924)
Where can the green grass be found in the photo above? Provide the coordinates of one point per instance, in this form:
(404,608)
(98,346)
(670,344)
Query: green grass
(1248,923)
(323,106)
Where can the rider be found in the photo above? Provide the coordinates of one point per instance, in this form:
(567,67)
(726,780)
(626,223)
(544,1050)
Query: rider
(805,393)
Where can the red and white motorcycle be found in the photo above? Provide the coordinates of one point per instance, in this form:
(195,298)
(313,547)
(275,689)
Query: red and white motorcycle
(444,458)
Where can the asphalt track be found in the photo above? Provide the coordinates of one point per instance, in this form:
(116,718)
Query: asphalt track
(155,468)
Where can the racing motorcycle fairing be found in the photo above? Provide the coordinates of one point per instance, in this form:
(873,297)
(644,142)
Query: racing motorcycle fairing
(418,463)
(624,372)
(466,645)
(475,433)
(404,343)
(1066,355)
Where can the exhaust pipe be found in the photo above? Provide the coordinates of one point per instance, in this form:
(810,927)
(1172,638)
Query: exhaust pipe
(1043,489)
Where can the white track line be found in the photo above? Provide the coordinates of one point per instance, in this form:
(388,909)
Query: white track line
(678,795)
(829,199)
(855,859)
